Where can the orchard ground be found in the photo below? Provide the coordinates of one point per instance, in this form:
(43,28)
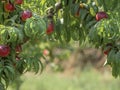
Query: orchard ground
(85,80)
(93,76)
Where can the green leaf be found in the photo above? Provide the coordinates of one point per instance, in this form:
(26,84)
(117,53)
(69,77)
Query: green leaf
(36,65)
(2,86)
(92,12)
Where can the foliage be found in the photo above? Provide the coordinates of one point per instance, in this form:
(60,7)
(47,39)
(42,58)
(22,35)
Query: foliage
(66,20)
(14,33)
(76,21)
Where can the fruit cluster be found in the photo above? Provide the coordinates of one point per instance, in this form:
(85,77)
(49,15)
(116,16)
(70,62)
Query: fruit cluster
(10,7)
(5,50)
(94,16)
(99,16)
(17,26)
(92,22)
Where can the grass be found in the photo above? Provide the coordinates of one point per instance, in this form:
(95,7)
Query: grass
(86,80)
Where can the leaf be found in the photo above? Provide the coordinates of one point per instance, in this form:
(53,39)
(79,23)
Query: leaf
(41,65)
(115,70)
(36,65)
(20,35)
(83,14)
(6,77)
(90,24)
(35,27)
(92,12)
(2,86)
(11,72)
(13,36)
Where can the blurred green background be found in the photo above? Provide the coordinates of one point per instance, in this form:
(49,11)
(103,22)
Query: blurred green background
(85,80)
(70,69)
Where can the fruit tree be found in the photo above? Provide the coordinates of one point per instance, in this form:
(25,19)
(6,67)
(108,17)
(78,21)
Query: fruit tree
(22,21)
